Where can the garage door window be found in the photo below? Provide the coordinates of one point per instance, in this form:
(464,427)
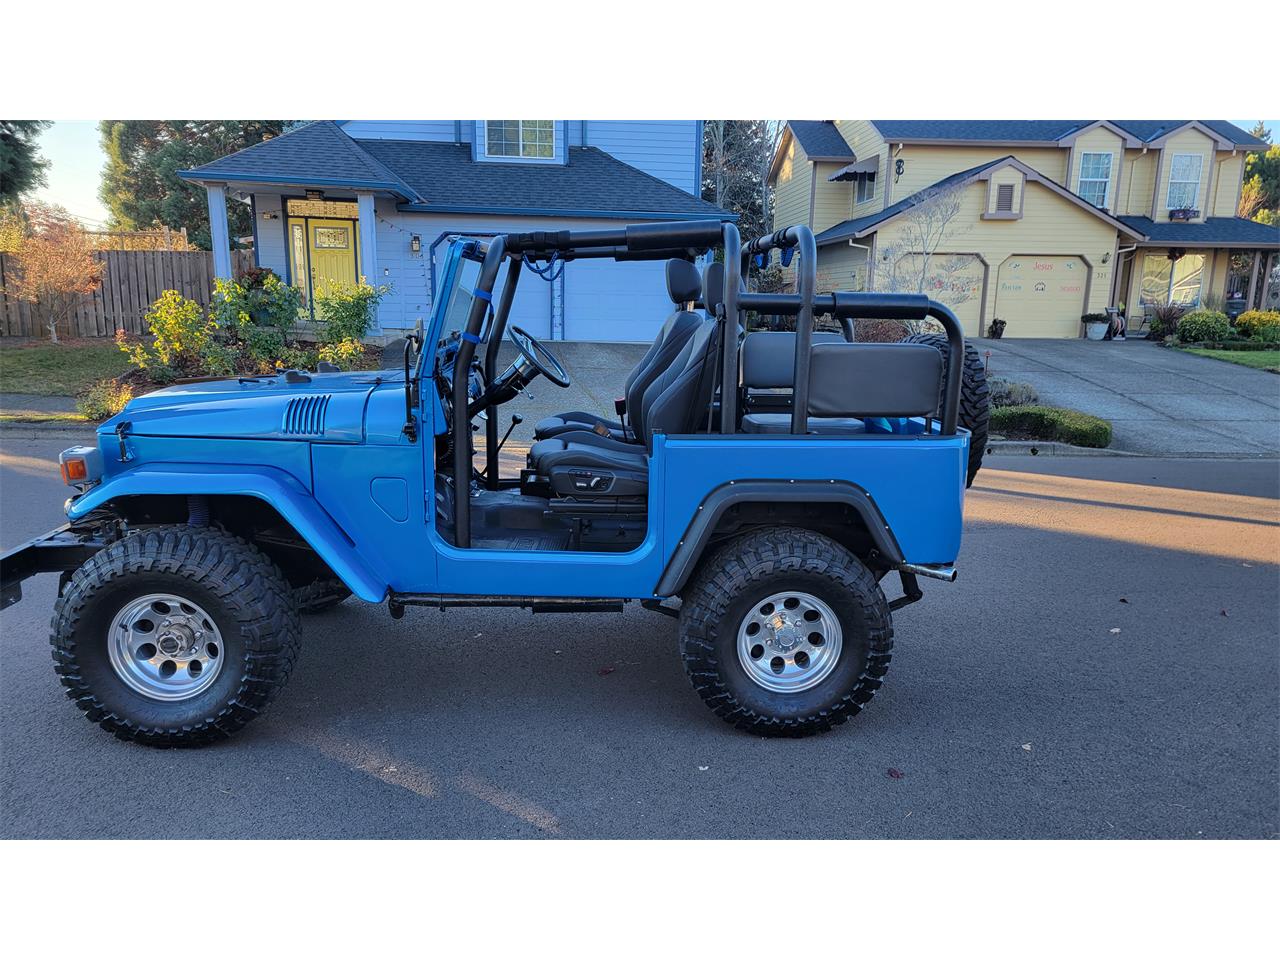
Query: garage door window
(1172,281)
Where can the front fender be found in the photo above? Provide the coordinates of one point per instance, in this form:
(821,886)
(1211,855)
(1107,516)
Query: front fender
(277,488)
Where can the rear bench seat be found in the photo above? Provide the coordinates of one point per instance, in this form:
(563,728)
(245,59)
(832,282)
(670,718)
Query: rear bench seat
(847,381)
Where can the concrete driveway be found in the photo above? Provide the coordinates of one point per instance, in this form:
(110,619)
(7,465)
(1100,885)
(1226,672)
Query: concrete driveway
(1160,402)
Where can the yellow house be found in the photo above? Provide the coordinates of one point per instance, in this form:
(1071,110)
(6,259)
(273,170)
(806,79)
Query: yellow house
(1034,222)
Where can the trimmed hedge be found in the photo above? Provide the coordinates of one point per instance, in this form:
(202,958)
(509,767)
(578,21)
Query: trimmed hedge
(1252,322)
(1052,423)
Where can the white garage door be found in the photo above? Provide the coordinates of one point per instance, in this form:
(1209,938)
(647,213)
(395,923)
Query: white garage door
(1041,296)
(604,300)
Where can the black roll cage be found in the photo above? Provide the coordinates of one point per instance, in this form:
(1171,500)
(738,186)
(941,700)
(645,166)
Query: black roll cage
(685,240)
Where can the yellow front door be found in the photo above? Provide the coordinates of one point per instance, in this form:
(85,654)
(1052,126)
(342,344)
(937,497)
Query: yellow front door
(321,253)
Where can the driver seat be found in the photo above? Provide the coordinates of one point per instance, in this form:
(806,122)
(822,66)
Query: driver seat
(585,464)
(684,285)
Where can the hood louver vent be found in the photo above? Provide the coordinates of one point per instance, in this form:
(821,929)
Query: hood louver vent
(305,415)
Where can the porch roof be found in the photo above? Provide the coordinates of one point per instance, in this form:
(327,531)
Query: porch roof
(1213,232)
(318,154)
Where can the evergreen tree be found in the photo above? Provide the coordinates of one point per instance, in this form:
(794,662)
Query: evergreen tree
(21,166)
(140,184)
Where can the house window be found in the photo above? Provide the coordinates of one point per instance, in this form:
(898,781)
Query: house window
(1184,181)
(520,138)
(1004,198)
(866,187)
(1172,281)
(1095,178)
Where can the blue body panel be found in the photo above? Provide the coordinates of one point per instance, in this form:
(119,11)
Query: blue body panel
(278,488)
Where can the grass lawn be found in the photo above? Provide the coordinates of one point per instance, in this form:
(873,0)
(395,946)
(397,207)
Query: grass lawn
(63,369)
(34,416)
(1258,359)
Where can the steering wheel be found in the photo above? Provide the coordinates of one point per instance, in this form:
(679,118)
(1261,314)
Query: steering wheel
(538,356)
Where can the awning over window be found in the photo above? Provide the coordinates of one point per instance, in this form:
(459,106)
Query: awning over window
(852,170)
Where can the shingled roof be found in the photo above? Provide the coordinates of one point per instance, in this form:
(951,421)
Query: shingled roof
(1044,131)
(446,179)
(443,177)
(820,139)
(1214,231)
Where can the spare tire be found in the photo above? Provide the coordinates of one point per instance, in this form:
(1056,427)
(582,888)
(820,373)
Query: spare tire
(975,398)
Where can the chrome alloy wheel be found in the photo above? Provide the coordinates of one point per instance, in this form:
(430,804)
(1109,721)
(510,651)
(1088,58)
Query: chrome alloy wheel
(789,642)
(165,647)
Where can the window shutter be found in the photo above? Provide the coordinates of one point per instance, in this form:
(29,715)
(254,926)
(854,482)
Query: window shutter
(1004,198)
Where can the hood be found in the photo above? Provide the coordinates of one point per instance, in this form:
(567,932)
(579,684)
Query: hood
(328,406)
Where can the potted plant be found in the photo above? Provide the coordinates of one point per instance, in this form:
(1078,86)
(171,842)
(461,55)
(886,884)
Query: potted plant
(1096,325)
(995,329)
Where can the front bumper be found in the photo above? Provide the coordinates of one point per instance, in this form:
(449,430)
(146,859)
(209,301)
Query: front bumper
(58,551)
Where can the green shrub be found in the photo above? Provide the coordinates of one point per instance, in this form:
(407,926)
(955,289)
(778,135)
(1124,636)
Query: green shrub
(345,353)
(263,344)
(1204,326)
(1268,334)
(258,299)
(1094,318)
(346,309)
(1252,322)
(219,359)
(1052,423)
(104,399)
(1011,393)
(181,333)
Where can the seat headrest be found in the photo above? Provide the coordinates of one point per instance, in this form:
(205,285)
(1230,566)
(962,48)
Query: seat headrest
(684,283)
(713,286)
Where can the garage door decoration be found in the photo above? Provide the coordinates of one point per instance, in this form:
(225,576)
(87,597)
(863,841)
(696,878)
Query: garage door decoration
(1042,296)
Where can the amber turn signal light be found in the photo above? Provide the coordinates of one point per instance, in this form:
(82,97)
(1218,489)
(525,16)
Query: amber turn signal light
(74,471)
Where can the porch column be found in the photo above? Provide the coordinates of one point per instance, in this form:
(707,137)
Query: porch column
(368,228)
(218,234)
(1253,280)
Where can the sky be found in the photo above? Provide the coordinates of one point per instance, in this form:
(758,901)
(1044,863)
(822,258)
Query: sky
(76,162)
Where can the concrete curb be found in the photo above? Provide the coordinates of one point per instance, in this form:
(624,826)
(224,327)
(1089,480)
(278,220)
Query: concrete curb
(1052,448)
(46,431)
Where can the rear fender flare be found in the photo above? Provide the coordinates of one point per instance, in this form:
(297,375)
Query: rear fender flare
(691,546)
(279,489)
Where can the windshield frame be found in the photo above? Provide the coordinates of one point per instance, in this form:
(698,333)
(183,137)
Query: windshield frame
(462,250)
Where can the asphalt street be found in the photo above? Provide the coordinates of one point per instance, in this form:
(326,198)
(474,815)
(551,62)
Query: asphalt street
(1106,666)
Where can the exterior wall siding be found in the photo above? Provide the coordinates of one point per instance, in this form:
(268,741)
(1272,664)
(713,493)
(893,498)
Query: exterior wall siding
(1139,179)
(271,250)
(791,192)
(842,267)
(666,149)
(925,165)
(432,130)
(832,202)
(1226,191)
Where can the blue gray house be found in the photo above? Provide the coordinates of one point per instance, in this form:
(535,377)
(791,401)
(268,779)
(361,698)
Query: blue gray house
(333,200)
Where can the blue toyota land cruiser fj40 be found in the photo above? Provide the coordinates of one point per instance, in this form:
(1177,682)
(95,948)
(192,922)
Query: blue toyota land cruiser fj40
(758,486)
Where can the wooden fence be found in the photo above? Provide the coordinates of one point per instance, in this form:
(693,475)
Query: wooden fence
(131,281)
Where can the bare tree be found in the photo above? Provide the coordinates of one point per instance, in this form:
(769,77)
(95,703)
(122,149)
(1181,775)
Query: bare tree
(735,165)
(56,266)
